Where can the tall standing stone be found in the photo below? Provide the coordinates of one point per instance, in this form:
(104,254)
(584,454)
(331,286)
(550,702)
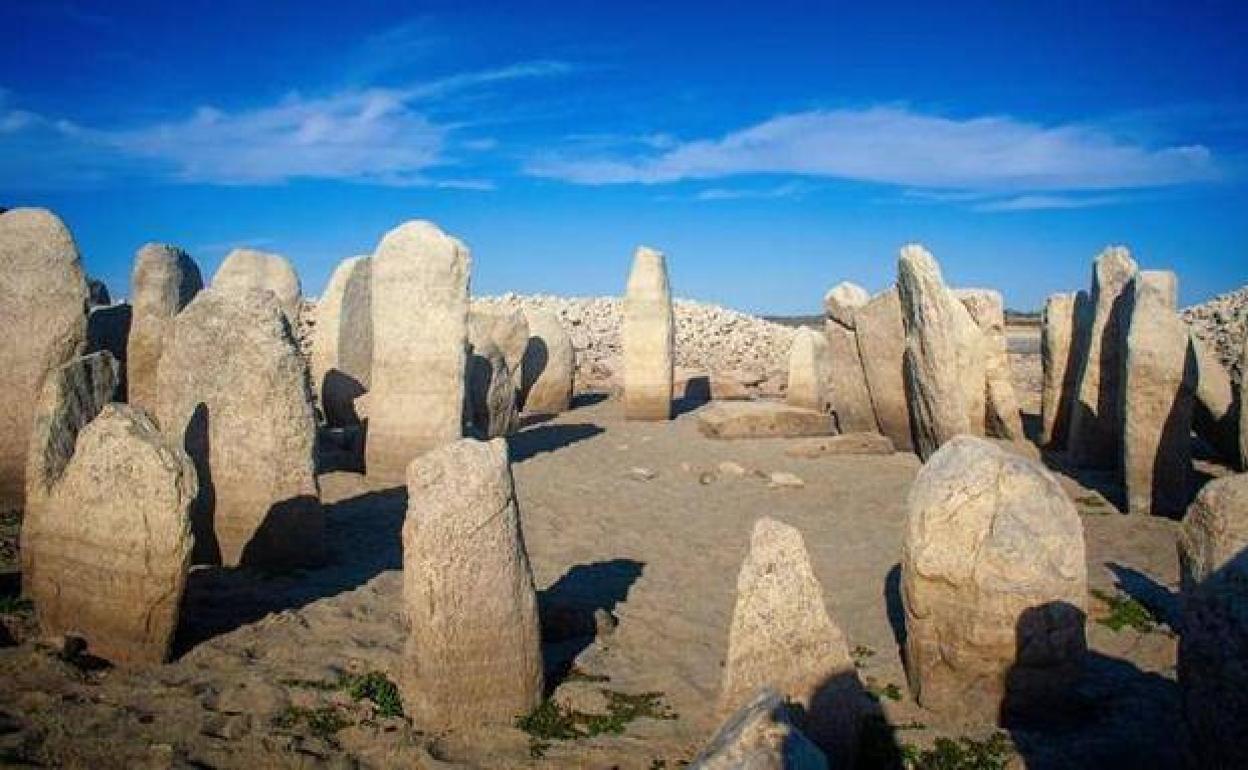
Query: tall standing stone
(782,637)
(232,390)
(246,269)
(164,280)
(1002,417)
(549,364)
(473,650)
(881,347)
(1059,358)
(342,346)
(1158,387)
(491,392)
(43,306)
(649,339)
(108,548)
(847,383)
(1213,646)
(1095,437)
(808,370)
(935,381)
(993,583)
(420,340)
(1215,412)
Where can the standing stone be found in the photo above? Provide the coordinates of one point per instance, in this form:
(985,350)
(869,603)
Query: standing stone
(1059,359)
(847,383)
(808,370)
(935,382)
(881,348)
(549,364)
(1157,391)
(1095,420)
(1002,415)
(420,341)
(1215,412)
(491,392)
(782,637)
(108,548)
(993,583)
(843,300)
(165,279)
(649,339)
(232,390)
(43,306)
(342,347)
(473,651)
(508,330)
(1213,646)
(108,329)
(246,269)
(760,736)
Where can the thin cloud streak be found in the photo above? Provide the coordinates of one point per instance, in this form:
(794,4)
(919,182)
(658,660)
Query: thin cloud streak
(1047,202)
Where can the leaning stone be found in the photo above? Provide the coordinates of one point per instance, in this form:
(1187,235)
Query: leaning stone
(935,381)
(1095,438)
(1215,411)
(108,329)
(165,279)
(1157,391)
(491,392)
(808,370)
(549,364)
(782,637)
(507,330)
(246,269)
(232,390)
(761,419)
(107,550)
(648,338)
(760,735)
(847,383)
(420,337)
(993,583)
(43,312)
(842,302)
(473,652)
(1213,646)
(881,348)
(1002,417)
(845,444)
(1059,362)
(342,346)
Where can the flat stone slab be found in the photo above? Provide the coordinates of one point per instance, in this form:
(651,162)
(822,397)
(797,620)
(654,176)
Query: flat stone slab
(761,419)
(846,444)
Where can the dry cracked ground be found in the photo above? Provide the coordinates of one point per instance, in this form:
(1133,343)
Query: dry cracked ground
(635,536)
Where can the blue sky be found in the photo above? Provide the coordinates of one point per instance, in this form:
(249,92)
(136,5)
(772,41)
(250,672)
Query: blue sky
(771,149)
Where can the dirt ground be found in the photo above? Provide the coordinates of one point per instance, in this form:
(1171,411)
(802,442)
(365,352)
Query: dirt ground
(633,520)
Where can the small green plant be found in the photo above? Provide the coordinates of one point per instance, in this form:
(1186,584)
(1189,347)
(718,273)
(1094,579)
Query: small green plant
(375,687)
(551,722)
(962,754)
(323,721)
(1125,612)
(15,605)
(890,690)
(860,655)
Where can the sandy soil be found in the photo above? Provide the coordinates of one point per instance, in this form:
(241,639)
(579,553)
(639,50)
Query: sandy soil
(629,518)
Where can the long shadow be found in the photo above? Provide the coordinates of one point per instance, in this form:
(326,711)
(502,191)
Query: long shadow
(697,393)
(1106,482)
(893,606)
(568,606)
(548,438)
(363,535)
(1156,598)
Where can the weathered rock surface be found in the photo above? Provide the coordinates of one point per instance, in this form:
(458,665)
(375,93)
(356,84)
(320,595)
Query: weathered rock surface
(842,302)
(782,637)
(246,269)
(649,339)
(164,280)
(808,370)
(845,444)
(108,548)
(43,311)
(1216,410)
(108,329)
(232,390)
(993,583)
(342,348)
(1002,417)
(507,329)
(760,736)
(549,365)
(420,339)
(847,383)
(1158,386)
(1213,646)
(1095,433)
(881,347)
(491,393)
(473,652)
(1243,414)
(1060,362)
(761,419)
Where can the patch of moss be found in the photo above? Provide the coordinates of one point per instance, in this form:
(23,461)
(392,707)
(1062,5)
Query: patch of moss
(376,687)
(1125,612)
(860,655)
(890,690)
(551,722)
(323,721)
(961,754)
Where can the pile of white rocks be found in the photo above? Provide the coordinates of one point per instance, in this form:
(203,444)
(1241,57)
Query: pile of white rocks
(1222,323)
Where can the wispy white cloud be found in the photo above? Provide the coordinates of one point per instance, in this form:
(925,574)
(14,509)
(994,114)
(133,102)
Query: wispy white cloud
(897,146)
(1040,202)
(786,190)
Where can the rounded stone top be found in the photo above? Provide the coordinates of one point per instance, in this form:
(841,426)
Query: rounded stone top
(245,269)
(420,235)
(841,301)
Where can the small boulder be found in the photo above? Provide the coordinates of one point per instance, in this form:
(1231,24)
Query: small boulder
(760,735)
(761,419)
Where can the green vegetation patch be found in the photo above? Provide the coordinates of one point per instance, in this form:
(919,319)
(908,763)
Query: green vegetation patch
(374,687)
(323,721)
(15,605)
(551,722)
(1125,612)
(961,754)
